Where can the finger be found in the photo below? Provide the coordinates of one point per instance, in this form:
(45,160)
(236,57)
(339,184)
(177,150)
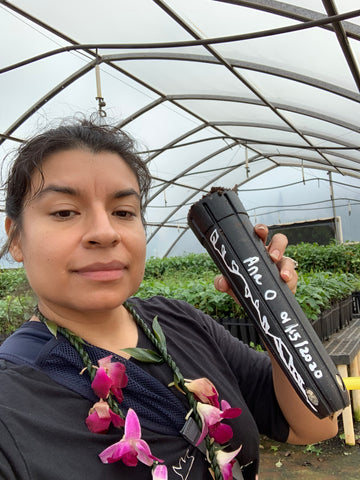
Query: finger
(261,231)
(288,273)
(222,285)
(277,246)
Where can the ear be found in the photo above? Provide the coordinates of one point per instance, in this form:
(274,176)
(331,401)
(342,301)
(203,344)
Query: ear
(15,244)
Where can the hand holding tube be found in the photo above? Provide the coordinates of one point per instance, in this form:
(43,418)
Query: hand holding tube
(220,222)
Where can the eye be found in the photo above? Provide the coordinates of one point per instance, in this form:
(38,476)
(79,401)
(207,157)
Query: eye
(124,214)
(63,214)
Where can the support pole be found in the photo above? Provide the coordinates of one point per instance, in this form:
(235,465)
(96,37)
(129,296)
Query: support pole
(337,232)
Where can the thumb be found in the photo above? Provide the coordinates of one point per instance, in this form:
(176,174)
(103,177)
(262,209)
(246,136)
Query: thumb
(221,283)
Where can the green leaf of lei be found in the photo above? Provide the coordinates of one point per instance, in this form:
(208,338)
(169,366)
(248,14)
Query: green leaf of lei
(159,334)
(52,327)
(144,355)
(178,378)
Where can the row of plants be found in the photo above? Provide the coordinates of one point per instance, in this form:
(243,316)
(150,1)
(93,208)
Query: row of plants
(312,257)
(189,266)
(190,278)
(318,291)
(315,293)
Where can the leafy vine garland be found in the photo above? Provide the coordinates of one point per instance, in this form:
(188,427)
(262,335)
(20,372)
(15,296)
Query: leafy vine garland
(221,470)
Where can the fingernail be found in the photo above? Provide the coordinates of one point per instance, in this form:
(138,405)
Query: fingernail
(221,284)
(275,255)
(217,281)
(285,275)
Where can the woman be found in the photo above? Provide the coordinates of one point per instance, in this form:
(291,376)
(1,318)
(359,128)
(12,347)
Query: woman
(75,219)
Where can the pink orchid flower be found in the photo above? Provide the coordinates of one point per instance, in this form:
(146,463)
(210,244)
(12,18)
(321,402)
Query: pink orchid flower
(204,391)
(101,416)
(226,462)
(211,421)
(160,472)
(131,447)
(110,376)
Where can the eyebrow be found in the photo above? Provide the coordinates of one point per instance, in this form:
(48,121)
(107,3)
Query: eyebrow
(53,188)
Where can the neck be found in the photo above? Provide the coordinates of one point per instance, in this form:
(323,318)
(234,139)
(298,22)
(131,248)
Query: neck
(112,330)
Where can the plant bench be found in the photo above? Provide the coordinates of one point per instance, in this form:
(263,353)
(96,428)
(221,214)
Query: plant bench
(344,349)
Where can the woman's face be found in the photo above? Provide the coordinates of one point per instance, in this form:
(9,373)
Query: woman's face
(82,240)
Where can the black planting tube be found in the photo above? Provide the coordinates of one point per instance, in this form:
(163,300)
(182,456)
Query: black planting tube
(220,222)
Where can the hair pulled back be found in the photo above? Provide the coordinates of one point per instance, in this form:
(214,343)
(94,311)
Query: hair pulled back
(83,135)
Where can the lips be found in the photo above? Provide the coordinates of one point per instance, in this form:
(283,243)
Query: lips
(102,271)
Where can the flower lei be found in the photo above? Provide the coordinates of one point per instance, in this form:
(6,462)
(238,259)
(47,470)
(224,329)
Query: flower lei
(108,379)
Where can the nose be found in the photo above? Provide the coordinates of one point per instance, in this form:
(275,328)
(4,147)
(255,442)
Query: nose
(100,231)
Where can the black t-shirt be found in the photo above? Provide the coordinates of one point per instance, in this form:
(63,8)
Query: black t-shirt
(42,430)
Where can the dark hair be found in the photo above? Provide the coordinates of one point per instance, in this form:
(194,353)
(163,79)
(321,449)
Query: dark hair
(81,135)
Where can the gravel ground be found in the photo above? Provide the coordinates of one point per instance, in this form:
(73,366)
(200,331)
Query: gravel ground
(327,460)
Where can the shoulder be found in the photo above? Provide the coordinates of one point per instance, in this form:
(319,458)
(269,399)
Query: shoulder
(25,344)
(19,383)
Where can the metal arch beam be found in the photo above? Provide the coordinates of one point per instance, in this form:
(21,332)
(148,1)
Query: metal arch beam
(89,47)
(294,12)
(269,156)
(51,94)
(174,142)
(203,187)
(254,159)
(343,41)
(248,142)
(224,63)
(87,50)
(315,164)
(175,183)
(229,67)
(281,106)
(234,167)
(199,58)
(342,156)
(75,44)
(225,98)
(285,129)
(325,168)
(107,62)
(217,124)
(185,201)
(141,111)
(109,58)
(68,39)
(277,105)
(257,67)
(175,242)
(241,183)
(213,124)
(213,154)
(320,166)
(194,165)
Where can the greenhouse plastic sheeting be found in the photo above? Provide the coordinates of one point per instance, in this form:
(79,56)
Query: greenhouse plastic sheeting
(261,95)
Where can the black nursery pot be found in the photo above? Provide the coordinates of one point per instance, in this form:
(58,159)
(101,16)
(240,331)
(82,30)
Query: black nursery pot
(356,304)
(243,330)
(345,311)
